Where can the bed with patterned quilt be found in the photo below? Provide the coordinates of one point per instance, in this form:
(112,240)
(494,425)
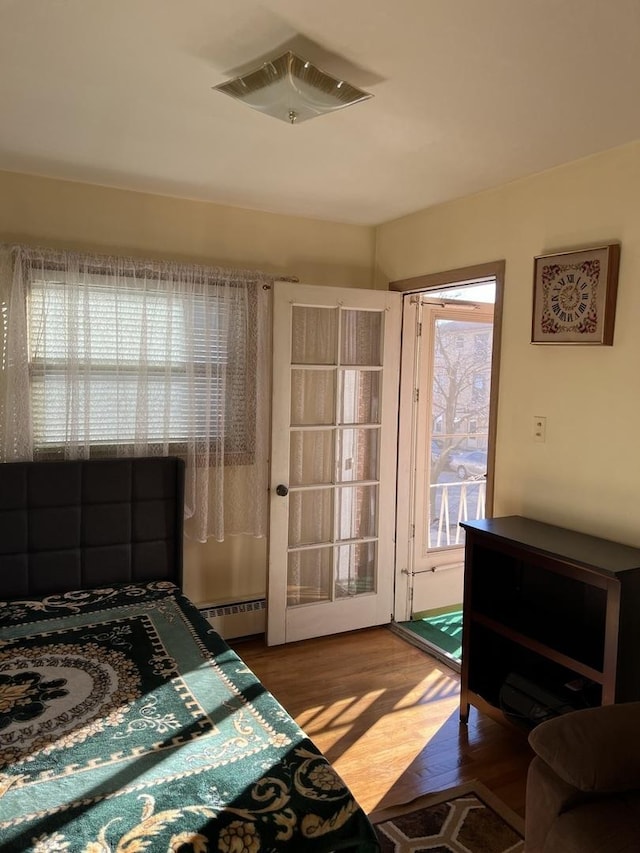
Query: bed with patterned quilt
(127,724)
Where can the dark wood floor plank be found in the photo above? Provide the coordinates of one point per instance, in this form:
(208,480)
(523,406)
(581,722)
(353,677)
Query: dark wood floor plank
(385,713)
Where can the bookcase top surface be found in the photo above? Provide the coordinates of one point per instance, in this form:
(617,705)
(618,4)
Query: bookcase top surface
(602,555)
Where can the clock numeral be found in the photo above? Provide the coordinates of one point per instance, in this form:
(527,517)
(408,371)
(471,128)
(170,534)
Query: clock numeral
(570,277)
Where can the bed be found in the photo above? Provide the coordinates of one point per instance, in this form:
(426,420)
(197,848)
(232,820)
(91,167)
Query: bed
(127,724)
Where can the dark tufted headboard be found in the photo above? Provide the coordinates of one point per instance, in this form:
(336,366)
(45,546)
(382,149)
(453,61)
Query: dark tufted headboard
(85,524)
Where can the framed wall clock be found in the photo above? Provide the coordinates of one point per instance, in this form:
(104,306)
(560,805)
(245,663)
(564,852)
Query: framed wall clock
(574,296)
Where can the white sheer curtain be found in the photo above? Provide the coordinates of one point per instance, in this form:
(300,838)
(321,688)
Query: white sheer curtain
(117,356)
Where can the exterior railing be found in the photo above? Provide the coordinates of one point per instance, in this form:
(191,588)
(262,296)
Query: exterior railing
(453,503)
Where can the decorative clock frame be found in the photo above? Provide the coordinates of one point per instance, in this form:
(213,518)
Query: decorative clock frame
(574,296)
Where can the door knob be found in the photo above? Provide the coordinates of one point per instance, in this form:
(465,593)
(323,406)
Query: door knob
(282,490)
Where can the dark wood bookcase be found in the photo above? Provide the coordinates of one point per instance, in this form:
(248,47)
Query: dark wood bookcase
(558,608)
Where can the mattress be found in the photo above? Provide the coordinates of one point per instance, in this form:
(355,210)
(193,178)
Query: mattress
(127,724)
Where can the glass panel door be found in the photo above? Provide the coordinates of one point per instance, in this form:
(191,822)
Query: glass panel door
(336,355)
(447,413)
(451,447)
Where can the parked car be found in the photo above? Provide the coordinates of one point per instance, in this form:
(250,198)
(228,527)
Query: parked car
(468,463)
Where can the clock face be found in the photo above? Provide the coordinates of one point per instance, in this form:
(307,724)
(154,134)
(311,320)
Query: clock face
(569,296)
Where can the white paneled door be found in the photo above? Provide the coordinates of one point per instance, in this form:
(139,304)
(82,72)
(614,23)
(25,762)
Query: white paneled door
(336,354)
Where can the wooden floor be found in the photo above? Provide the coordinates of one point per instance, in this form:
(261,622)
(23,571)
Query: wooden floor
(386,715)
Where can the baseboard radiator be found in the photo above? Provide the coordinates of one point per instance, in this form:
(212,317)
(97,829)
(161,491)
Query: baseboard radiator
(238,619)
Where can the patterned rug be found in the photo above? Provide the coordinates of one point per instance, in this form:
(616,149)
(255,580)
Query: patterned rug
(466,819)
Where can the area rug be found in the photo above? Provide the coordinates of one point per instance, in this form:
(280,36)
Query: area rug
(465,819)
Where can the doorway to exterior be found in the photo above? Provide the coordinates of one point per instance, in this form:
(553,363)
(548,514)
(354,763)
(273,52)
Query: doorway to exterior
(345,547)
(448,402)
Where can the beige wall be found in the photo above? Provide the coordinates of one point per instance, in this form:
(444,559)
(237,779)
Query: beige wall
(64,214)
(586,474)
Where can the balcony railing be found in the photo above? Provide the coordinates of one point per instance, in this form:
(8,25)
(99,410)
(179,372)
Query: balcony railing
(452,503)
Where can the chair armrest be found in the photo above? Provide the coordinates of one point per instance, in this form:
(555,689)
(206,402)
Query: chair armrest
(597,749)
(548,796)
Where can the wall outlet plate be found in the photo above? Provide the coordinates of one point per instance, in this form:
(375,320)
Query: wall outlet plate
(539,428)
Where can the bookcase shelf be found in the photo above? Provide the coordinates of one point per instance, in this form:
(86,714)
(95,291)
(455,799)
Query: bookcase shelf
(541,649)
(553,608)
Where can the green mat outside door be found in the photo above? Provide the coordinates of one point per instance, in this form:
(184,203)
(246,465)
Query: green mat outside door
(443,630)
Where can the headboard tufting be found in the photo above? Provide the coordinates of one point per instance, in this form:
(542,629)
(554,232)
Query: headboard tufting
(85,524)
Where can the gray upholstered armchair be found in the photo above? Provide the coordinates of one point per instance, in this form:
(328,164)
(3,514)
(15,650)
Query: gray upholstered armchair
(583,788)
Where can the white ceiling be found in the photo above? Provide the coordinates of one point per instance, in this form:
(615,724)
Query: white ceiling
(468,94)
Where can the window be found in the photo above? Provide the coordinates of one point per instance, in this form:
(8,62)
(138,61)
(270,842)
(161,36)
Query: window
(107,362)
(479,384)
(109,356)
(481,346)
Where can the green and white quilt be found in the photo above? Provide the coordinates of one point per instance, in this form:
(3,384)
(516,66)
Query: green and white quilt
(127,724)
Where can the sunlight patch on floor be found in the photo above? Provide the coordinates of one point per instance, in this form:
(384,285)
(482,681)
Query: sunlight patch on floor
(438,685)
(403,753)
(345,726)
(339,714)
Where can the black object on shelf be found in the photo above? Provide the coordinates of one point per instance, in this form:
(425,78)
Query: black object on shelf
(526,700)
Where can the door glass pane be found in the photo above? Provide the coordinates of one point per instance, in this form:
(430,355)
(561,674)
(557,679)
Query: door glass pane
(314,335)
(311,457)
(356,569)
(309,575)
(310,516)
(460,426)
(361,337)
(360,397)
(313,397)
(357,454)
(356,512)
